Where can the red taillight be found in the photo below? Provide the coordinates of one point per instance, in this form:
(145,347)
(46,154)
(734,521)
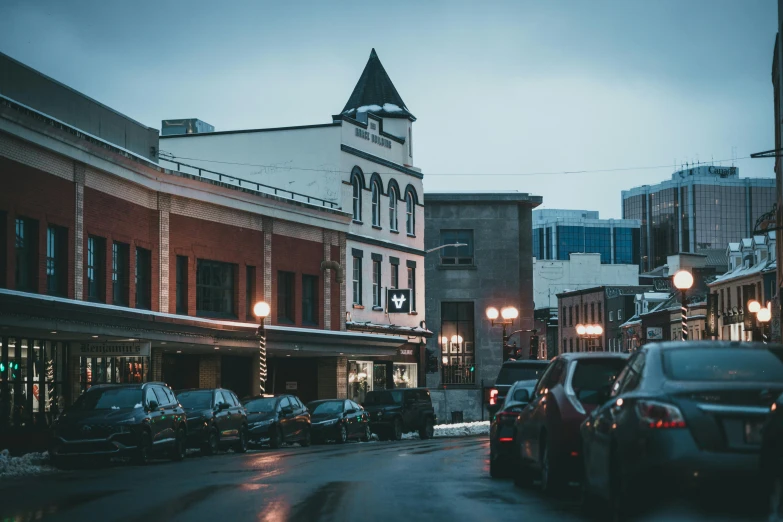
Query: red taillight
(493,397)
(506,439)
(659,415)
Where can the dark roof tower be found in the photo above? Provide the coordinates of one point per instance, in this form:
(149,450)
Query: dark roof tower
(375,93)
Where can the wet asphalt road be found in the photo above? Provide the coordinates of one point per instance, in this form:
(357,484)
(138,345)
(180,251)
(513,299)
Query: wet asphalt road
(441,479)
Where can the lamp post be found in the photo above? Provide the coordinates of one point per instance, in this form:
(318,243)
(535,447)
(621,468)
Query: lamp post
(763,316)
(504,317)
(589,332)
(683,281)
(261,310)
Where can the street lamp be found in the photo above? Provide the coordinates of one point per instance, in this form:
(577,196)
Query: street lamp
(683,281)
(446,246)
(261,310)
(763,316)
(589,332)
(505,317)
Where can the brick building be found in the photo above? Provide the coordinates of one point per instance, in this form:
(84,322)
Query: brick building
(113,269)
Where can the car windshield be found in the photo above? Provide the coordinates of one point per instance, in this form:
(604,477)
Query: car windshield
(327,407)
(722,365)
(593,379)
(265,405)
(511,373)
(201,399)
(384,397)
(109,399)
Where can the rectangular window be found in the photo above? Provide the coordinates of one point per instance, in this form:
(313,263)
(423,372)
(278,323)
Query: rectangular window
(56,255)
(611,316)
(620,314)
(462,255)
(119,273)
(215,291)
(395,275)
(357,280)
(376,283)
(457,343)
(96,269)
(143,278)
(285,297)
(310,299)
(250,291)
(182,285)
(26,253)
(600,312)
(412,286)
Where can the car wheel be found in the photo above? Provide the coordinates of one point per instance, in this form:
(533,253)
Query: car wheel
(342,435)
(367,437)
(428,430)
(523,478)
(496,468)
(276,437)
(306,440)
(241,446)
(397,430)
(212,444)
(618,504)
(178,451)
(142,456)
(589,504)
(550,473)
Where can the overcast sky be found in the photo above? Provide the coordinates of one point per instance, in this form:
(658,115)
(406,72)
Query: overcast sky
(515,87)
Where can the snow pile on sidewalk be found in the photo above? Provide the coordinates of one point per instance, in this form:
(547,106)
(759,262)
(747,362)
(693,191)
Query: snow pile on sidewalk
(462,429)
(27,464)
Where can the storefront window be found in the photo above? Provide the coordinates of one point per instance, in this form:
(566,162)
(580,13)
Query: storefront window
(112,370)
(360,378)
(405,375)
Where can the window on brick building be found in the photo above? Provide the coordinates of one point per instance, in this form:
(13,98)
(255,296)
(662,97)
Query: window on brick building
(393,208)
(376,203)
(412,283)
(310,299)
(96,269)
(395,273)
(599,312)
(619,314)
(119,273)
(457,329)
(56,264)
(143,278)
(356,185)
(376,282)
(462,255)
(250,291)
(357,280)
(25,254)
(285,297)
(592,312)
(410,213)
(215,291)
(181,296)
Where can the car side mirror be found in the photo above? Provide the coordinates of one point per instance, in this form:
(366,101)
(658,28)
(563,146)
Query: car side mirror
(350,412)
(152,405)
(222,406)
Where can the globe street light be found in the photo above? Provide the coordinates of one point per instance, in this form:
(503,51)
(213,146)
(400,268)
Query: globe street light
(764,315)
(754,306)
(507,315)
(589,332)
(683,281)
(261,310)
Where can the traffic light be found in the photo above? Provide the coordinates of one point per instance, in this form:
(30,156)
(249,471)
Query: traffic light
(533,346)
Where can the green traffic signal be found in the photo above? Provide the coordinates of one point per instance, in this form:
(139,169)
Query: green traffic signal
(472,368)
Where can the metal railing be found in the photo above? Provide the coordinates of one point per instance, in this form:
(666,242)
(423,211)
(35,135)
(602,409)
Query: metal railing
(458,374)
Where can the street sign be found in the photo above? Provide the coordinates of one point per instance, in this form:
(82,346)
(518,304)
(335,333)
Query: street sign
(290,385)
(398,301)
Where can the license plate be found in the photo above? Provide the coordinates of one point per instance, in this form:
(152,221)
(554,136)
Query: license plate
(753,432)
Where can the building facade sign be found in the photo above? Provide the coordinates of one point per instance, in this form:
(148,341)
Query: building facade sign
(712,315)
(113,349)
(662,285)
(654,333)
(398,301)
(383,142)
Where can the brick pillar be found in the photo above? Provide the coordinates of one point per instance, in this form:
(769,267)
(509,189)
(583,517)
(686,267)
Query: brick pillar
(346,272)
(209,371)
(333,378)
(268,228)
(327,275)
(255,377)
(342,375)
(74,374)
(156,365)
(78,233)
(164,209)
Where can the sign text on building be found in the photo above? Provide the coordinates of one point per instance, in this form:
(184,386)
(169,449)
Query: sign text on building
(383,142)
(114,349)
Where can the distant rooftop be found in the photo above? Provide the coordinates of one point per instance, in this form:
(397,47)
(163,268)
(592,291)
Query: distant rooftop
(482,197)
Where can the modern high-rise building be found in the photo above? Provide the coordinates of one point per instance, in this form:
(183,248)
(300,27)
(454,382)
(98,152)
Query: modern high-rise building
(559,233)
(700,209)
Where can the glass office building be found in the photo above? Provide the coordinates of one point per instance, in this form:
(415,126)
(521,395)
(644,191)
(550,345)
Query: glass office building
(702,208)
(559,233)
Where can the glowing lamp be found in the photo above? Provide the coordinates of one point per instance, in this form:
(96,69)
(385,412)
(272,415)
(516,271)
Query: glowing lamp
(599,330)
(492,313)
(580,329)
(754,306)
(509,313)
(261,309)
(764,315)
(683,280)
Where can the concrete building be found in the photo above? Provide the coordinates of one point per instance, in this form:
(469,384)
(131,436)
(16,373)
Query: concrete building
(494,269)
(361,162)
(559,233)
(698,209)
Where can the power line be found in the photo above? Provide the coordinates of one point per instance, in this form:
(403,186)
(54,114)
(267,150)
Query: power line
(172,158)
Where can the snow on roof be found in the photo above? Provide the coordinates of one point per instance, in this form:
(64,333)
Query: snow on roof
(734,247)
(743,271)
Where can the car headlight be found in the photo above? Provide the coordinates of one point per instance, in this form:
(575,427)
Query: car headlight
(262,423)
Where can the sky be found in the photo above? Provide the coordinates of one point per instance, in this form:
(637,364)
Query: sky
(507,95)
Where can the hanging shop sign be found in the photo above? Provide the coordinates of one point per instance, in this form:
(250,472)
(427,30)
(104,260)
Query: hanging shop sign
(398,301)
(654,333)
(114,349)
(712,315)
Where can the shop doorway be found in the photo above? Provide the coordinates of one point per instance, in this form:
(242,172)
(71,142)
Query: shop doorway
(297,376)
(236,375)
(180,371)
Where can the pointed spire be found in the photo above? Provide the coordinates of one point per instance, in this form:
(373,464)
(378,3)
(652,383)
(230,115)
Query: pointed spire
(375,93)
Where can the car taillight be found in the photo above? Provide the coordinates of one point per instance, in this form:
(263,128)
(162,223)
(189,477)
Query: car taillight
(659,415)
(493,396)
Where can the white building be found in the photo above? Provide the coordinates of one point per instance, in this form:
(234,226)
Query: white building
(361,162)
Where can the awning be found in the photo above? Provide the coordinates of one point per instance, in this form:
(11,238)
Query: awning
(291,340)
(391,329)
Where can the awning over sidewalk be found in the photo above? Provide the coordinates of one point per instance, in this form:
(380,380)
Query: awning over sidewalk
(391,329)
(305,341)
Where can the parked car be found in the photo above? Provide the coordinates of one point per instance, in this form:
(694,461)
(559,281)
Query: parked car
(511,372)
(501,429)
(338,420)
(771,457)
(276,420)
(216,420)
(394,412)
(120,420)
(682,415)
(546,433)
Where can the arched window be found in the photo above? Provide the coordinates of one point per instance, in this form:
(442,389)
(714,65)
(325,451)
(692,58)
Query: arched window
(393,208)
(410,216)
(357,197)
(376,204)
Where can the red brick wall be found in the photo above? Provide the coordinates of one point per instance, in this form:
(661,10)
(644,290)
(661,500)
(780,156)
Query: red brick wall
(335,256)
(200,239)
(50,200)
(303,258)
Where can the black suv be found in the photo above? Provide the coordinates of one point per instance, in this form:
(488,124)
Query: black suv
(511,372)
(277,419)
(108,420)
(216,420)
(394,412)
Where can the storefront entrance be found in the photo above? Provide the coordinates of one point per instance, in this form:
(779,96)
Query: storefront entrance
(180,371)
(236,375)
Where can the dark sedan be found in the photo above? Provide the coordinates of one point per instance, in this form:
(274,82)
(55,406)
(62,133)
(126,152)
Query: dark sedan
(682,416)
(547,442)
(501,429)
(276,420)
(216,420)
(338,420)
